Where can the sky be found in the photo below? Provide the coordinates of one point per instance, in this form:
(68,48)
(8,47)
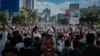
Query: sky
(59,6)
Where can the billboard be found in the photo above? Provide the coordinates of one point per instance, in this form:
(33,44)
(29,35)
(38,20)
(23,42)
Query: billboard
(75,14)
(74,7)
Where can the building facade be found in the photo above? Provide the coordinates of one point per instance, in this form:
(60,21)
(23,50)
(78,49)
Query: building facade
(28,4)
(47,13)
(61,16)
(10,6)
(0,3)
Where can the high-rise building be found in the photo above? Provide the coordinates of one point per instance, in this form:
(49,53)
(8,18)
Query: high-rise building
(11,6)
(74,7)
(34,4)
(28,4)
(47,13)
(0,3)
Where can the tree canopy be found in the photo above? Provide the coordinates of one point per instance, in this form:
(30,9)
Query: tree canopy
(4,18)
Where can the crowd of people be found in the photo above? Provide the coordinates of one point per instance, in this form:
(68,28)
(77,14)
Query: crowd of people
(49,41)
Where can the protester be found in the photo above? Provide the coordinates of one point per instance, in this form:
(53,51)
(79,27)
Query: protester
(28,50)
(3,38)
(67,49)
(10,51)
(90,49)
(48,46)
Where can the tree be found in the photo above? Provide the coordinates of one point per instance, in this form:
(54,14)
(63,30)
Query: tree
(32,16)
(4,18)
(24,17)
(18,19)
(89,18)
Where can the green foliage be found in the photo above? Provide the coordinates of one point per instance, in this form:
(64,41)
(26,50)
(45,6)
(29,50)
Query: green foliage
(32,16)
(18,19)
(4,18)
(24,17)
(90,18)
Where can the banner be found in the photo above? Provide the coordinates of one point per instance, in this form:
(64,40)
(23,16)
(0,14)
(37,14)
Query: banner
(75,14)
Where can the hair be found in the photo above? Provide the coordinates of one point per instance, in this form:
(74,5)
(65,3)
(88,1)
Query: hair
(27,42)
(50,37)
(90,38)
(10,49)
(25,34)
(35,28)
(16,33)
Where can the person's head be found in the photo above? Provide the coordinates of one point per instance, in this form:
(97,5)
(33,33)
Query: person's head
(10,51)
(90,38)
(25,34)
(48,45)
(60,36)
(27,42)
(16,33)
(67,43)
(35,29)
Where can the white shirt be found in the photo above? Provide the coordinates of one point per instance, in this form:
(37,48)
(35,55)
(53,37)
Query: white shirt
(3,41)
(61,45)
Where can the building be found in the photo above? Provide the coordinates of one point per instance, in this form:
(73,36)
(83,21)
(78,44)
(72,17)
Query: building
(47,13)
(61,16)
(67,13)
(11,6)
(54,18)
(61,19)
(74,7)
(28,4)
(0,3)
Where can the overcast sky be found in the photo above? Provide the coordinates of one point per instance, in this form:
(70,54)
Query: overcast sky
(59,6)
